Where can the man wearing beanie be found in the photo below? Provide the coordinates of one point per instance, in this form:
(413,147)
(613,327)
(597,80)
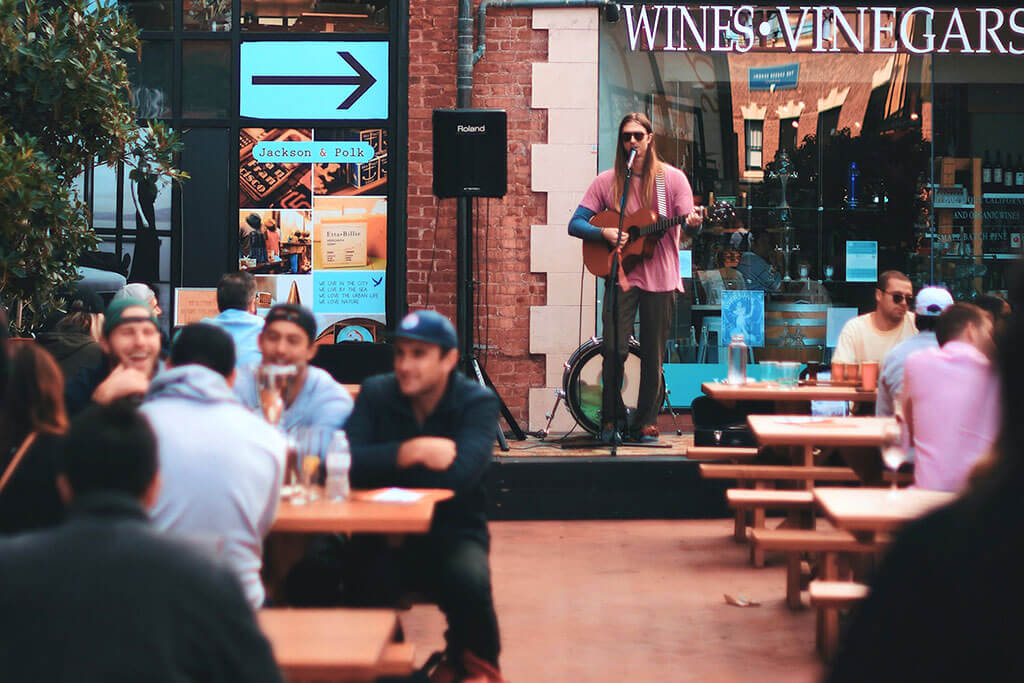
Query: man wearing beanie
(930,302)
(131,345)
(313,398)
(426,425)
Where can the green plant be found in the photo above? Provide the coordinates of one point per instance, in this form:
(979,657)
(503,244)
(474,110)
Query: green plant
(65,100)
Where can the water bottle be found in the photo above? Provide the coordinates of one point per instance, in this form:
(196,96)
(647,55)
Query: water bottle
(737,360)
(339,461)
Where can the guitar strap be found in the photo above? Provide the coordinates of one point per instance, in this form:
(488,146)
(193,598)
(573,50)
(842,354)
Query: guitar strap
(659,186)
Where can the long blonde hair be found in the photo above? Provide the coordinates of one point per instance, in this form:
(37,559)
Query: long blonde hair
(652,164)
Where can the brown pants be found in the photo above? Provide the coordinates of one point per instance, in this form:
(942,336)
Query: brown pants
(655,314)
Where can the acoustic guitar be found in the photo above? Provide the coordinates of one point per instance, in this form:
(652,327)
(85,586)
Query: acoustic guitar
(641,229)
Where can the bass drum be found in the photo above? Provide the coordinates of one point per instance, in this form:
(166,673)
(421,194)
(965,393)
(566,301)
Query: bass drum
(582,383)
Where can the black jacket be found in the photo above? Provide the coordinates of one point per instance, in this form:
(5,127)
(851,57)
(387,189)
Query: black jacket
(73,351)
(104,597)
(468,414)
(30,500)
(78,388)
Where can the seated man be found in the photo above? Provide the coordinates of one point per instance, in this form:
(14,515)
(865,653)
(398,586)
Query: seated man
(754,264)
(951,404)
(131,346)
(104,597)
(313,398)
(427,426)
(236,301)
(221,466)
(930,302)
(870,336)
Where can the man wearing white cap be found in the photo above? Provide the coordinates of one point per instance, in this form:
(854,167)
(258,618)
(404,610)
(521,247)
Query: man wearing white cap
(930,302)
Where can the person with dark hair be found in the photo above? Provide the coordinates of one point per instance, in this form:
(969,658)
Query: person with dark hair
(995,306)
(313,398)
(754,264)
(427,426)
(929,304)
(249,236)
(236,301)
(74,341)
(32,418)
(104,597)
(221,466)
(272,239)
(951,399)
(652,284)
(940,602)
(871,336)
(131,345)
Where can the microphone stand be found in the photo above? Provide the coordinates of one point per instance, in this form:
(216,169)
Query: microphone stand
(617,438)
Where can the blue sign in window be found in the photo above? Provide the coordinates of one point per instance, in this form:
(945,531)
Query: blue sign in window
(779,77)
(314,80)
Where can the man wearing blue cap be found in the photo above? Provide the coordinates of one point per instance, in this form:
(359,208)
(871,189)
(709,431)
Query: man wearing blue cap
(427,426)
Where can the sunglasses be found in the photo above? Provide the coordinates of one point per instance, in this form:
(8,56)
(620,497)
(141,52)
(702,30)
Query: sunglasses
(636,135)
(898,298)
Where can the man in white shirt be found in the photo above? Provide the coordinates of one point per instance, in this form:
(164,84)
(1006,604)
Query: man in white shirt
(221,466)
(930,302)
(870,336)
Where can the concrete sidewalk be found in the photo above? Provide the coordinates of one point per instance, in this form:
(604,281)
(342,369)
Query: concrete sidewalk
(635,601)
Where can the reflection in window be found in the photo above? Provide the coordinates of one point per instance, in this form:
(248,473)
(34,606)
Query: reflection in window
(152,15)
(319,16)
(151,78)
(104,197)
(755,142)
(787,133)
(142,210)
(206,15)
(206,69)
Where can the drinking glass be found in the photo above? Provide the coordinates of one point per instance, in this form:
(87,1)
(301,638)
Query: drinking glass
(893,453)
(305,449)
(770,371)
(789,371)
(272,382)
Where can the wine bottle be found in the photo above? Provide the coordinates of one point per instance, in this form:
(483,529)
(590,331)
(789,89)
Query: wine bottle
(986,173)
(1008,174)
(997,173)
(1019,179)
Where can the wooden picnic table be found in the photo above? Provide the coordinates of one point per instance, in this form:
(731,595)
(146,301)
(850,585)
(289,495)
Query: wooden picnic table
(729,394)
(867,512)
(294,525)
(807,432)
(328,644)
(361,514)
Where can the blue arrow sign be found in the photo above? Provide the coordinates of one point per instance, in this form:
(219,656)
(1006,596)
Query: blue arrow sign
(314,80)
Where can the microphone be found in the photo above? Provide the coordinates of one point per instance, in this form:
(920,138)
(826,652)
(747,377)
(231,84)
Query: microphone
(632,156)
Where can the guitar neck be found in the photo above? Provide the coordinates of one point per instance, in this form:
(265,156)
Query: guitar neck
(660,226)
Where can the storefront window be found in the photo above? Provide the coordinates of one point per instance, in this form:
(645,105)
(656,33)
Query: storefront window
(150,15)
(206,78)
(151,77)
(827,164)
(206,15)
(319,16)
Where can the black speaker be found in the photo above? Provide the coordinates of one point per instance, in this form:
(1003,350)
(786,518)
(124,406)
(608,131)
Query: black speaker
(470,149)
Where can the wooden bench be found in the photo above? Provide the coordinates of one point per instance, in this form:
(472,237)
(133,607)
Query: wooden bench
(398,659)
(795,542)
(757,501)
(760,476)
(829,597)
(731,453)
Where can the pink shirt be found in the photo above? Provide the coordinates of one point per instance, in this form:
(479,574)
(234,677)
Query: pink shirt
(660,273)
(952,407)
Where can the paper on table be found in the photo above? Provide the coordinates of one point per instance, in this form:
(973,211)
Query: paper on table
(396,495)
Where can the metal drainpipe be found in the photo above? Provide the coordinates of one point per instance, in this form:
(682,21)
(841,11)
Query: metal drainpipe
(467,57)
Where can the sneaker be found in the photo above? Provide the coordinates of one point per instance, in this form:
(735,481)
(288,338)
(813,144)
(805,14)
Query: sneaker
(649,434)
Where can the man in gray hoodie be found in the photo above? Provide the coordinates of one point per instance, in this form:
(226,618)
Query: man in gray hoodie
(221,466)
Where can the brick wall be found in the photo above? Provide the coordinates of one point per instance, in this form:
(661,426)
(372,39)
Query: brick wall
(508,289)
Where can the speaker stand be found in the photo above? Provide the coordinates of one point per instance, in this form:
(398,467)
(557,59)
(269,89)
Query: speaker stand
(464,320)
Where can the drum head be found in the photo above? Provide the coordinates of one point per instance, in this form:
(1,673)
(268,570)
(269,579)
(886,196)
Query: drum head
(583,385)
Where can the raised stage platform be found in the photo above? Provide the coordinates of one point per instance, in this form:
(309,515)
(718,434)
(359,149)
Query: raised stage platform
(537,479)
